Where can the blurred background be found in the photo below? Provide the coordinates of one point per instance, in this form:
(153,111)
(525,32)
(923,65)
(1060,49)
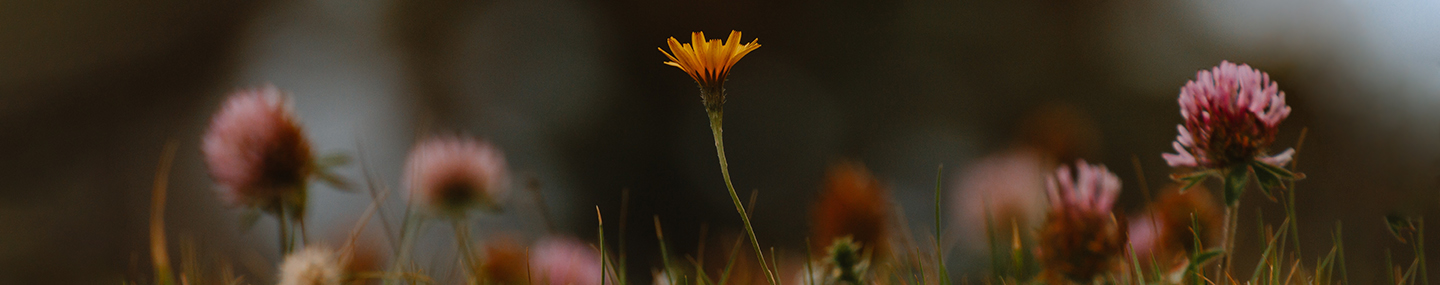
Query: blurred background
(576,95)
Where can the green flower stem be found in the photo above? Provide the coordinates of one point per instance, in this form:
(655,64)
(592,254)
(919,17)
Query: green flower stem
(716,119)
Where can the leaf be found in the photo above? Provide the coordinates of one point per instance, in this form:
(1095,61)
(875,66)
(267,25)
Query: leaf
(1269,181)
(332,160)
(1235,179)
(336,181)
(1325,267)
(1278,171)
(1197,261)
(1200,258)
(1191,179)
(1400,226)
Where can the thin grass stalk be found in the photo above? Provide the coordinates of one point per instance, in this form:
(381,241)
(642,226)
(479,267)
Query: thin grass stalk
(159,252)
(1410,273)
(621,272)
(372,182)
(1266,255)
(1389,267)
(774,260)
(529,273)
(700,277)
(1290,194)
(809,258)
(462,243)
(1135,261)
(600,223)
(303,234)
(700,244)
(1420,249)
(734,253)
(939,251)
(1199,273)
(534,187)
(1017,249)
(1340,243)
(665,253)
(716,120)
(990,234)
(409,228)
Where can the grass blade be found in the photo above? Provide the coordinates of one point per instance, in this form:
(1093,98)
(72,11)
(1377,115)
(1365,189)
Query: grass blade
(940,268)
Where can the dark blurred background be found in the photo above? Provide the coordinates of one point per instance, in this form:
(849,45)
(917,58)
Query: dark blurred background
(575,93)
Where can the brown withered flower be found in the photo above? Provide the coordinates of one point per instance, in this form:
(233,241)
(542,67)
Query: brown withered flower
(504,263)
(1081,238)
(852,204)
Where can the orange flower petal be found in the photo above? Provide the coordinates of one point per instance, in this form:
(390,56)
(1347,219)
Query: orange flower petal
(708,61)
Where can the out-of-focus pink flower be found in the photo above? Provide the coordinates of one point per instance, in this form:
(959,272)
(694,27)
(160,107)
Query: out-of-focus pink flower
(1010,185)
(1081,238)
(256,150)
(564,261)
(451,175)
(1144,235)
(1231,115)
(1164,232)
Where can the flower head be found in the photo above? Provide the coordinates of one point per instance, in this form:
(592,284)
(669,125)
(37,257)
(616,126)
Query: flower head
(312,266)
(451,175)
(255,149)
(1091,190)
(562,261)
(708,62)
(1081,238)
(853,204)
(1231,116)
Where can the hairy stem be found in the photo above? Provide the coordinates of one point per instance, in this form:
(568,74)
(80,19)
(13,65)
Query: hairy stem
(1227,231)
(715,129)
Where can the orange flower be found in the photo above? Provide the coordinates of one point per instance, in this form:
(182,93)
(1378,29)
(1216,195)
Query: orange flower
(708,61)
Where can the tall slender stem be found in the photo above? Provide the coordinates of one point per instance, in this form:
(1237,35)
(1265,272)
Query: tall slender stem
(284,223)
(409,228)
(462,241)
(1228,232)
(715,129)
